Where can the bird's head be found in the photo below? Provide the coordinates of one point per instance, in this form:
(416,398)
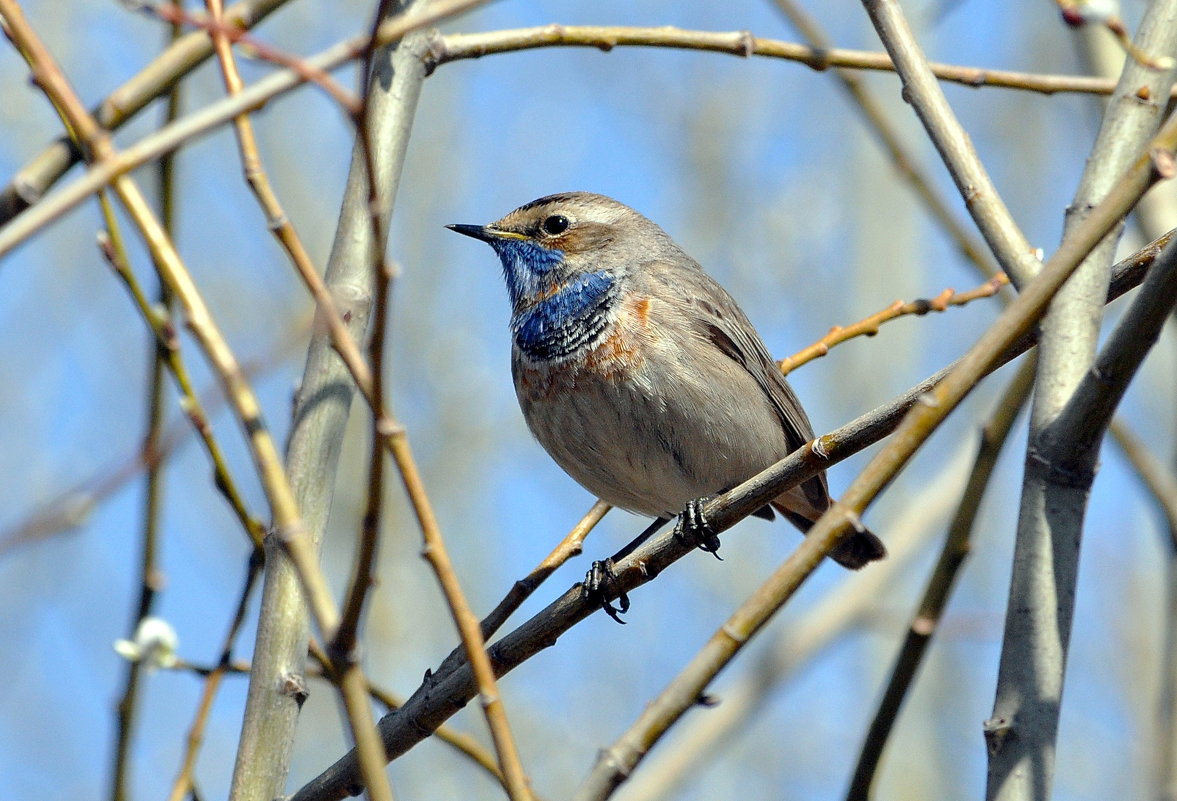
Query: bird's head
(561,238)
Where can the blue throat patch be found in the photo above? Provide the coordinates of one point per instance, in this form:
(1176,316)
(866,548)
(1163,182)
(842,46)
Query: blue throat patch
(565,321)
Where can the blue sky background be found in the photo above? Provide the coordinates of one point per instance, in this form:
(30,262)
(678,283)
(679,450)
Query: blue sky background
(763,172)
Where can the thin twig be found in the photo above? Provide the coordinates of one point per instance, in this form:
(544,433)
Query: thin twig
(227,34)
(468,625)
(395,438)
(167,350)
(869,326)
(455,47)
(351,684)
(185,777)
(343,647)
(434,549)
(150,580)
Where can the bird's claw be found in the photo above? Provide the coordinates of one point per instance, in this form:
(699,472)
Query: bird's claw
(694,529)
(599,583)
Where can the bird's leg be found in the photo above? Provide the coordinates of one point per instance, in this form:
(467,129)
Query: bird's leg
(694,529)
(601,578)
(599,583)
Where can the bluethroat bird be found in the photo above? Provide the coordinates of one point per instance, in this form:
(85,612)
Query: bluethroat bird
(637,371)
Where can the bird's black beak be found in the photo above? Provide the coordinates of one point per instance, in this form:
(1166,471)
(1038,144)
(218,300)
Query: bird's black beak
(475,231)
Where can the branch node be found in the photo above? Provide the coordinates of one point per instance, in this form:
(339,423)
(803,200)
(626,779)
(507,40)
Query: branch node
(434,52)
(389,428)
(1163,162)
(855,521)
(923,625)
(294,685)
(1075,473)
(747,44)
(996,731)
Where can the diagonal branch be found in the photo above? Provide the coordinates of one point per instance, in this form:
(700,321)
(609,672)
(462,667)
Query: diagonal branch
(1085,418)
(940,584)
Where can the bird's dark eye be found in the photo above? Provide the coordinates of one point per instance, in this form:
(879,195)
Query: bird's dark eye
(556,224)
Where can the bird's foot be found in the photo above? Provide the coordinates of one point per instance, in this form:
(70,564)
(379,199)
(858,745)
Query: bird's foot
(693,528)
(601,582)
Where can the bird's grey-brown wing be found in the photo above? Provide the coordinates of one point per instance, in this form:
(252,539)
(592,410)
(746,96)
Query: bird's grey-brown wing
(724,324)
(718,320)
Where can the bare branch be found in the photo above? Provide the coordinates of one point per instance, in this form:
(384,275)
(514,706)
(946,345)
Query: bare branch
(1060,460)
(926,96)
(940,584)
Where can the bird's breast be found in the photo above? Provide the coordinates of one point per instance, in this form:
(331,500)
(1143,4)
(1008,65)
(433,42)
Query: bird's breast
(615,356)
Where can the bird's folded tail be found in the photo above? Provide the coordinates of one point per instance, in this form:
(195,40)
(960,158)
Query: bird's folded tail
(856,551)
